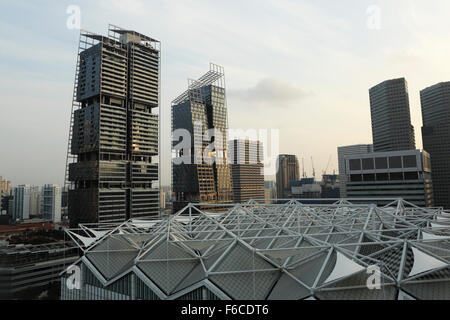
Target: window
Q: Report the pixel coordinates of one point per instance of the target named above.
(382, 177)
(369, 177)
(356, 178)
(381, 163)
(397, 176)
(367, 164)
(395, 162)
(355, 164)
(411, 175)
(410, 161)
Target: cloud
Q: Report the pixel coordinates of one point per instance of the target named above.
(271, 91)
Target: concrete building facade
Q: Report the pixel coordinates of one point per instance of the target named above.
(390, 175)
(435, 102)
(349, 151)
(35, 202)
(391, 117)
(22, 195)
(24, 267)
(247, 170)
(51, 203)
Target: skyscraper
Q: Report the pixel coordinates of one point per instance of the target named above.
(112, 162)
(51, 203)
(35, 201)
(22, 203)
(391, 118)
(200, 172)
(349, 151)
(247, 170)
(288, 171)
(435, 102)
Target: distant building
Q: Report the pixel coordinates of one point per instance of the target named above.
(349, 151)
(201, 175)
(391, 118)
(288, 171)
(51, 203)
(270, 190)
(247, 170)
(330, 186)
(162, 199)
(4, 204)
(22, 202)
(306, 188)
(399, 174)
(35, 202)
(436, 138)
(5, 186)
(24, 267)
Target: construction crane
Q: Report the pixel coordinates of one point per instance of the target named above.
(314, 170)
(303, 169)
(328, 165)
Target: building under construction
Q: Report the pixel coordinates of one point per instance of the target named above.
(112, 164)
(201, 173)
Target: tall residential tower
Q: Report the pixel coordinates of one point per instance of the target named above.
(113, 157)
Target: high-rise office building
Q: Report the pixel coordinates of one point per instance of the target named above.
(22, 202)
(247, 170)
(200, 171)
(113, 158)
(435, 102)
(349, 151)
(288, 171)
(391, 118)
(51, 203)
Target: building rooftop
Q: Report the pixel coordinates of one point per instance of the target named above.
(288, 251)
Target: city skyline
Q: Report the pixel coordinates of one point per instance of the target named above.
(297, 82)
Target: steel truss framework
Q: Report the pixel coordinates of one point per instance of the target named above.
(288, 251)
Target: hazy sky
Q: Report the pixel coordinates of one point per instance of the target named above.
(303, 67)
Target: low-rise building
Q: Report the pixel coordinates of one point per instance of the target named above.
(394, 174)
(24, 267)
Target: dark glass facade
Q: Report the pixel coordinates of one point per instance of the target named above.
(391, 118)
(435, 102)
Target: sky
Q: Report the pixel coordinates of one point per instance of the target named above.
(297, 66)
